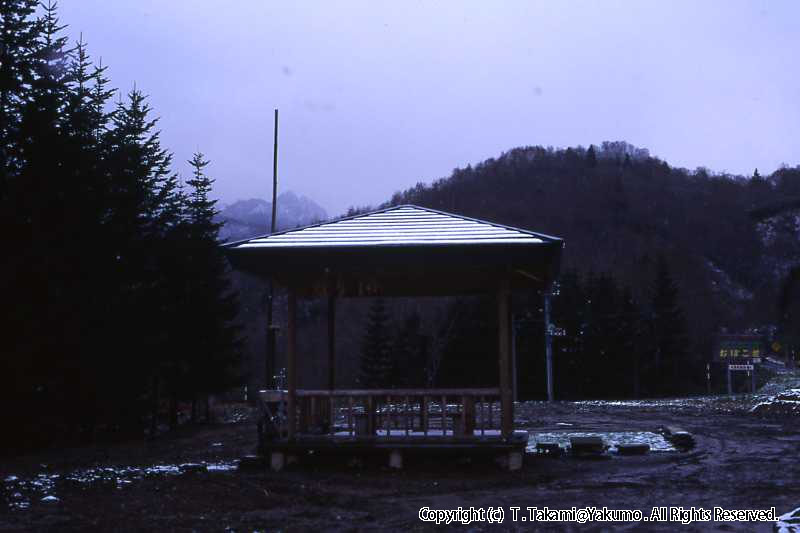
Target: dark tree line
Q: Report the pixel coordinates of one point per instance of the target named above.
(684, 255)
(393, 354)
(606, 343)
(115, 297)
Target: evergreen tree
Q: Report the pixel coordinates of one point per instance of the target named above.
(113, 267)
(469, 333)
(604, 358)
(569, 313)
(18, 39)
(627, 162)
(36, 188)
(212, 304)
(410, 350)
(591, 157)
(376, 358)
(630, 341)
(668, 325)
(139, 181)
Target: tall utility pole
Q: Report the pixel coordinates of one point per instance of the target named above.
(548, 344)
(274, 174)
(269, 359)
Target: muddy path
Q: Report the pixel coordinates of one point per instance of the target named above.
(188, 481)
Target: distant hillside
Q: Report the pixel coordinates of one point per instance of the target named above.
(618, 209)
(247, 218)
(728, 242)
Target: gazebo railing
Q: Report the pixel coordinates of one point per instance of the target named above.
(397, 413)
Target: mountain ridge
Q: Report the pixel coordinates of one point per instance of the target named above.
(250, 217)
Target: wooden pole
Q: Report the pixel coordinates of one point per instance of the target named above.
(274, 174)
(548, 346)
(269, 359)
(331, 341)
(730, 386)
(291, 361)
(504, 357)
(514, 357)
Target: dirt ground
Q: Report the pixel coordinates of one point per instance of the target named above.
(741, 461)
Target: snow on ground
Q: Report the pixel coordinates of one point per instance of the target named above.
(611, 438)
(21, 491)
(782, 404)
(789, 523)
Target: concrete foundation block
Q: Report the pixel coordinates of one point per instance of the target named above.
(277, 460)
(396, 459)
(514, 461)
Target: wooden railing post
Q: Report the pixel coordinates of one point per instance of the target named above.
(291, 363)
(468, 415)
(423, 411)
(504, 359)
(350, 428)
(371, 415)
(444, 416)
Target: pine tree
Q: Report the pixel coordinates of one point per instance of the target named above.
(630, 341)
(376, 361)
(570, 314)
(35, 211)
(18, 38)
(139, 178)
(591, 157)
(410, 348)
(22, 341)
(214, 345)
(668, 326)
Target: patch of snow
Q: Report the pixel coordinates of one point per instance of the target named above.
(613, 438)
(222, 467)
(21, 490)
(789, 522)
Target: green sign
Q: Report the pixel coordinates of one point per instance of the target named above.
(737, 350)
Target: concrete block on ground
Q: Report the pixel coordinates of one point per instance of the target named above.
(251, 463)
(679, 437)
(550, 449)
(277, 461)
(587, 446)
(514, 461)
(633, 449)
(396, 459)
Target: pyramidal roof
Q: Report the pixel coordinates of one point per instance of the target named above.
(402, 225)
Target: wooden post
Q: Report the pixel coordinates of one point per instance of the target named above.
(269, 355)
(469, 416)
(371, 428)
(514, 357)
(444, 415)
(730, 386)
(331, 341)
(291, 361)
(548, 346)
(326, 417)
(504, 357)
(423, 413)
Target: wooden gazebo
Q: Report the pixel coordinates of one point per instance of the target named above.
(400, 251)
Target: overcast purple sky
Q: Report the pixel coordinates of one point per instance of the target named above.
(375, 96)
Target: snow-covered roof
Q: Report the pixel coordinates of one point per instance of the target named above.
(397, 226)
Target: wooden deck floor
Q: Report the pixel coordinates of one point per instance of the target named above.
(491, 440)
